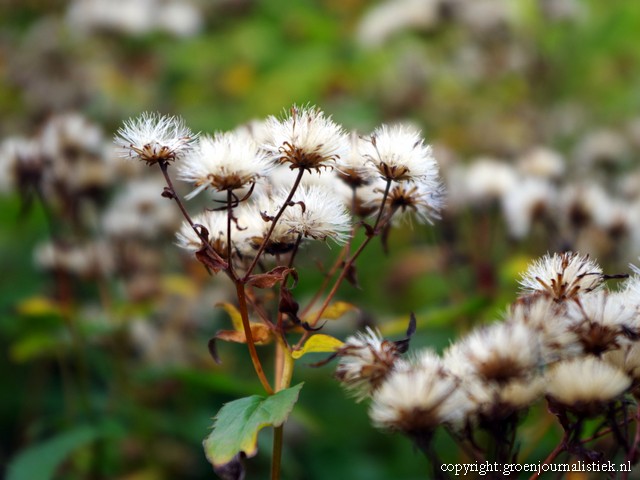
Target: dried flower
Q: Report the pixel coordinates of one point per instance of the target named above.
(306, 139)
(398, 153)
(226, 161)
(140, 211)
(216, 224)
(366, 359)
(498, 353)
(417, 398)
(548, 320)
(421, 200)
(585, 384)
(352, 168)
(563, 275)
(317, 213)
(603, 321)
(153, 138)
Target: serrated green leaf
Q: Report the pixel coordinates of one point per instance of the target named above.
(237, 424)
(40, 462)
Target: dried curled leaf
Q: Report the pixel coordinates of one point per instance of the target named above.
(272, 278)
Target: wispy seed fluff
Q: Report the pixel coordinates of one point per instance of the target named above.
(547, 319)
(563, 275)
(305, 139)
(216, 224)
(603, 321)
(399, 153)
(366, 359)
(226, 161)
(317, 213)
(416, 398)
(153, 137)
(585, 384)
(408, 200)
(498, 353)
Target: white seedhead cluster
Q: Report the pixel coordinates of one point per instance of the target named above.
(289, 179)
(567, 338)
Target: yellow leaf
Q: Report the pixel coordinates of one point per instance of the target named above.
(180, 285)
(318, 343)
(334, 311)
(37, 306)
(234, 313)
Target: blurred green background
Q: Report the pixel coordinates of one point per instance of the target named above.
(494, 80)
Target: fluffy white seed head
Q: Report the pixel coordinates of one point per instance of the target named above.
(226, 161)
(366, 359)
(563, 275)
(215, 223)
(585, 384)
(420, 200)
(603, 321)
(305, 139)
(548, 320)
(526, 201)
(399, 153)
(626, 358)
(140, 211)
(317, 213)
(417, 398)
(352, 167)
(153, 137)
(498, 353)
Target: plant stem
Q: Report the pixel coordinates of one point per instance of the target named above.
(276, 458)
(283, 382)
(552, 456)
(205, 241)
(265, 240)
(244, 314)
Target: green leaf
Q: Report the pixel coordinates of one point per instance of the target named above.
(237, 424)
(40, 462)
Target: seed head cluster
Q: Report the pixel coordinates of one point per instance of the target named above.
(284, 179)
(567, 338)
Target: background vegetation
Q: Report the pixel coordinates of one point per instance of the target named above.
(108, 408)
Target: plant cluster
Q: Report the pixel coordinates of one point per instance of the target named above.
(567, 339)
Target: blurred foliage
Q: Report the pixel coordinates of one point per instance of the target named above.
(252, 59)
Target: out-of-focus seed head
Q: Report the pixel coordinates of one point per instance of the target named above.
(548, 320)
(603, 321)
(586, 384)
(499, 353)
(365, 360)
(416, 398)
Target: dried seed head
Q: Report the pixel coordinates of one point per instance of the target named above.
(603, 321)
(563, 275)
(417, 398)
(226, 161)
(398, 153)
(586, 384)
(366, 359)
(305, 139)
(153, 138)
